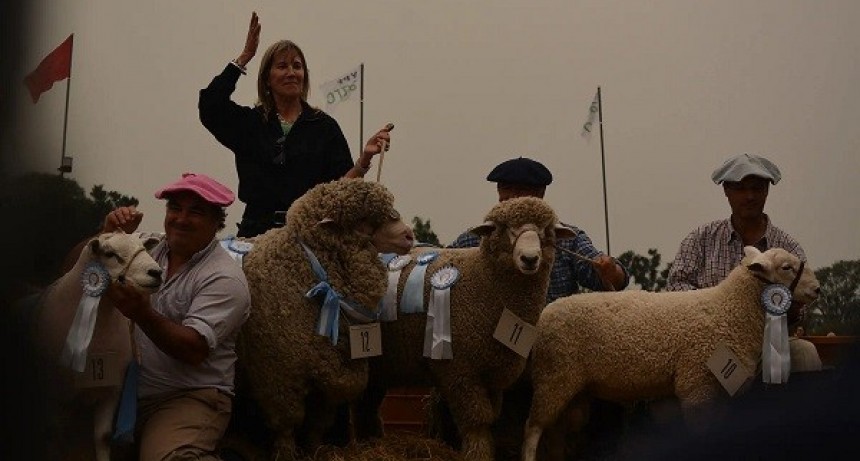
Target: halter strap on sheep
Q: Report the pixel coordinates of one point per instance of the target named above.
(333, 302)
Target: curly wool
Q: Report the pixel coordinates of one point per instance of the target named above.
(284, 358)
(632, 345)
(472, 382)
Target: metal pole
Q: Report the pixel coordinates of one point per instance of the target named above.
(66, 116)
(603, 163)
(361, 115)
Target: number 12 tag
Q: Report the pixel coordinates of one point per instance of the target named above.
(365, 340)
(516, 334)
(727, 368)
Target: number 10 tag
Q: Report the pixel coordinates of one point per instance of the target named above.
(365, 340)
(727, 368)
(516, 334)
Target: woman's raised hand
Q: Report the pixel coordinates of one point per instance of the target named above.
(252, 41)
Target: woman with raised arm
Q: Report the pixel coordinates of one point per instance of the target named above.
(282, 145)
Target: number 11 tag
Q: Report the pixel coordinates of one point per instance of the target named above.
(516, 334)
(727, 368)
(365, 340)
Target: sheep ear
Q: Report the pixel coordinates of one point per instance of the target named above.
(150, 243)
(758, 261)
(326, 222)
(95, 246)
(564, 232)
(484, 229)
(751, 252)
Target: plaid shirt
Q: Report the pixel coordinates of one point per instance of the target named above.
(710, 252)
(568, 272)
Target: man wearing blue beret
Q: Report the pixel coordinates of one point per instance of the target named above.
(524, 177)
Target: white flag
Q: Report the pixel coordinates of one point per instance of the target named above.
(589, 126)
(341, 88)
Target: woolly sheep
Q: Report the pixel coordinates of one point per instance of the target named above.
(345, 223)
(126, 260)
(605, 342)
(510, 270)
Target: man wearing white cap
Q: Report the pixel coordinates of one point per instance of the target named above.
(711, 251)
(186, 331)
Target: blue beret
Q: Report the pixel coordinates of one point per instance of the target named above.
(521, 171)
(737, 168)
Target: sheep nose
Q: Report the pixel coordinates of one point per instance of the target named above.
(529, 261)
(155, 273)
(817, 290)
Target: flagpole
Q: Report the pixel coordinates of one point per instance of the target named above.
(66, 115)
(361, 114)
(603, 163)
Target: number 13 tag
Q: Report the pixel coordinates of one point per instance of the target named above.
(365, 340)
(516, 334)
(727, 368)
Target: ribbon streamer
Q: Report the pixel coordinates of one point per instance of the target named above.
(412, 300)
(437, 331)
(775, 355)
(388, 309)
(329, 319)
(95, 280)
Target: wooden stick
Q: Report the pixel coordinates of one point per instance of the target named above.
(381, 159)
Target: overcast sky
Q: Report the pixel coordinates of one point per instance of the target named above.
(469, 84)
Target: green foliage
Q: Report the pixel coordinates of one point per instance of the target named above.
(423, 232)
(645, 270)
(838, 307)
(45, 216)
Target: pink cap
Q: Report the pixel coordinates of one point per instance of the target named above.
(207, 188)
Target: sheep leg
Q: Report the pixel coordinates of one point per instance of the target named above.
(472, 410)
(367, 420)
(103, 413)
(551, 395)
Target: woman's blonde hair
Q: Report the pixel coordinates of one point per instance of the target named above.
(265, 99)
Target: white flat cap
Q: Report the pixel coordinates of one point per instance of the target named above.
(738, 168)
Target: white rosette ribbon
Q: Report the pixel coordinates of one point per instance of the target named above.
(437, 332)
(775, 356)
(95, 280)
(412, 300)
(237, 249)
(388, 312)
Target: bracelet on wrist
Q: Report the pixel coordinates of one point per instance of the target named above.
(241, 68)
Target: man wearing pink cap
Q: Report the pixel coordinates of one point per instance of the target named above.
(186, 331)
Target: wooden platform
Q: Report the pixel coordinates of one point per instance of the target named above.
(405, 409)
(831, 349)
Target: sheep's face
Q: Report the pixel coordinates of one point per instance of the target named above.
(529, 244)
(126, 259)
(392, 236)
(779, 266)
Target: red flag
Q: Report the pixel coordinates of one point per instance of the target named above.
(55, 67)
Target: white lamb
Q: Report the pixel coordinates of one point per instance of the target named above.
(126, 260)
(633, 345)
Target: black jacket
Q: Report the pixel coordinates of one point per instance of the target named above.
(274, 170)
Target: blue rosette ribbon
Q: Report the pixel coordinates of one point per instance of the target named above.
(412, 300)
(388, 307)
(237, 249)
(775, 355)
(437, 332)
(95, 279)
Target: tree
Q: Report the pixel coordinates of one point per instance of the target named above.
(423, 232)
(645, 270)
(46, 216)
(838, 307)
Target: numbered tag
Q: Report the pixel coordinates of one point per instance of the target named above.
(724, 364)
(516, 334)
(365, 340)
(101, 370)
